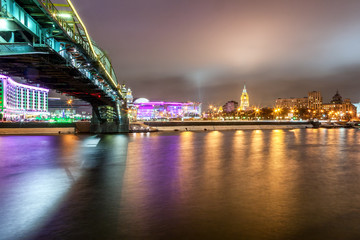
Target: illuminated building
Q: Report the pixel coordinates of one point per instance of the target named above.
(357, 105)
(146, 110)
(21, 101)
(314, 100)
(230, 106)
(128, 95)
(129, 98)
(291, 102)
(244, 100)
(340, 108)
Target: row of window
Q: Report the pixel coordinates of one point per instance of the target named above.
(26, 99)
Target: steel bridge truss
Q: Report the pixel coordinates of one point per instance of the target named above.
(48, 44)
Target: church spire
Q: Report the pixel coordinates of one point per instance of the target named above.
(244, 100)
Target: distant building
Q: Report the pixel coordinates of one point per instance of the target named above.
(314, 100)
(128, 95)
(291, 102)
(244, 100)
(19, 101)
(340, 108)
(337, 99)
(357, 105)
(129, 98)
(146, 110)
(230, 106)
(141, 100)
(70, 108)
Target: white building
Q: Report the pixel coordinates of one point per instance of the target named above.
(21, 101)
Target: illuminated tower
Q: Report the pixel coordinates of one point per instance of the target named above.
(244, 100)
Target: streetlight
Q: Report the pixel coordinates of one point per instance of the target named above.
(256, 112)
(64, 15)
(277, 111)
(69, 102)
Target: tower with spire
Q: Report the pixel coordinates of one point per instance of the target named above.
(244, 100)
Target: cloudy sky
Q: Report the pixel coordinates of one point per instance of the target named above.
(205, 50)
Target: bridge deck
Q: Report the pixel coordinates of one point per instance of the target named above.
(49, 69)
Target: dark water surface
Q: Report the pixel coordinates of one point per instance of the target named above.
(252, 184)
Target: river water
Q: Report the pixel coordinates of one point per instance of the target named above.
(251, 184)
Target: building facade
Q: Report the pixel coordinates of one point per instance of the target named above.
(244, 100)
(357, 105)
(314, 100)
(337, 108)
(129, 98)
(146, 110)
(291, 102)
(19, 101)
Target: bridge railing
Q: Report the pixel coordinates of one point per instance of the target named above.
(84, 41)
(55, 14)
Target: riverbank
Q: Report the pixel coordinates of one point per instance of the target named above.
(226, 125)
(18, 128)
(24, 128)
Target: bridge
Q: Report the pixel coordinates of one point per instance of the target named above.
(48, 44)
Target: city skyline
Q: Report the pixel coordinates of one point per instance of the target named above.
(205, 50)
(305, 96)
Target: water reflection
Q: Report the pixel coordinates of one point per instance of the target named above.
(213, 150)
(28, 176)
(187, 160)
(261, 184)
(45, 191)
(249, 184)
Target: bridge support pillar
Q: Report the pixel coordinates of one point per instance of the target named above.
(107, 119)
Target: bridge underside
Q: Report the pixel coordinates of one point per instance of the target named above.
(46, 67)
(50, 70)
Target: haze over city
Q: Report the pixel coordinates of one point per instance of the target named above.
(206, 50)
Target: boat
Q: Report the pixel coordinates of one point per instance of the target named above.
(141, 127)
(354, 124)
(330, 125)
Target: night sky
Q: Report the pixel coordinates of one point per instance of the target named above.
(205, 50)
